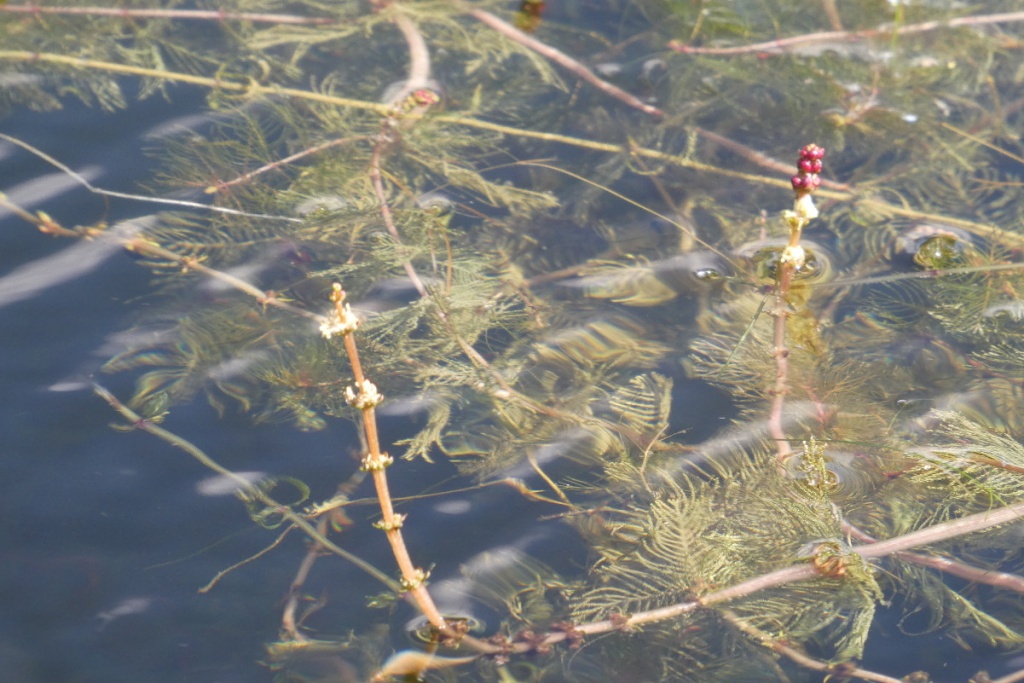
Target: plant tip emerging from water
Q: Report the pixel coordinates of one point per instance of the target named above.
(342, 320)
(805, 182)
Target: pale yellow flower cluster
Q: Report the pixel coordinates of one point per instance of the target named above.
(339, 322)
(366, 397)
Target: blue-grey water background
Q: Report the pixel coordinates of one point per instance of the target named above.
(106, 536)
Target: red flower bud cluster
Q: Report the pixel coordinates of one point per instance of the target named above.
(808, 166)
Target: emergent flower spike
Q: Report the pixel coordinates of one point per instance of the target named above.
(341, 320)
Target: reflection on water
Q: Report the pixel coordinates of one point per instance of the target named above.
(31, 194)
(25, 282)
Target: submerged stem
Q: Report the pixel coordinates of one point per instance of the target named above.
(563, 60)
(784, 44)
(130, 14)
(840, 671)
(244, 484)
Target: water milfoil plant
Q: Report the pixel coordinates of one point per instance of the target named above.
(550, 249)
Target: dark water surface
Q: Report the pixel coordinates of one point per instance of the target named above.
(89, 512)
(107, 536)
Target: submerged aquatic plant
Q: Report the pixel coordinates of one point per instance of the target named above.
(549, 322)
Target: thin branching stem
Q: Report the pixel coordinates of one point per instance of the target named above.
(286, 513)
(385, 209)
(249, 88)
(781, 353)
(827, 37)
(146, 247)
(252, 89)
(280, 163)
(314, 550)
(946, 565)
(212, 583)
(180, 203)
(563, 60)
(129, 14)
(841, 671)
(289, 625)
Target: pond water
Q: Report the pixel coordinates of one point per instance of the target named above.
(109, 536)
(587, 386)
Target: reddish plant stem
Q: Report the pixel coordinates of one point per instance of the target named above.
(781, 353)
(832, 12)
(841, 671)
(418, 77)
(419, 55)
(413, 579)
(282, 162)
(784, 44)
(385, 210)
(563, 60)
(944, 531)
(804, 572)
(289, 624)
(1005, 580)
(133, 14)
